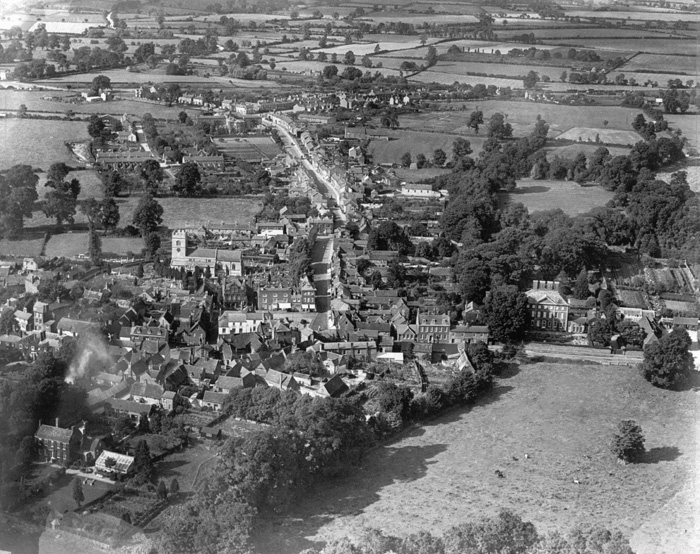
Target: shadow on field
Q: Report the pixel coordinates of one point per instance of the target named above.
(509, 370)
(527, 190)
(661, 454)
(346, 496)
(494, 395)
(167, 468)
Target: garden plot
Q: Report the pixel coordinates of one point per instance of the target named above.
(607, 136)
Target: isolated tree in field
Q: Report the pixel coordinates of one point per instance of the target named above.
(498, 128)
(174, 487)
(148, 215)
(476, 118)
(667, 363)
(461, 148)
(530, 80)
(188, 180)
(406, 159)
(152, 175)
(421, 160)
(349, 58)
(439, 157)
(628, 443)
(507, 314)
(78, 495)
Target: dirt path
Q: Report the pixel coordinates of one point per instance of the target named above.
(562, 417)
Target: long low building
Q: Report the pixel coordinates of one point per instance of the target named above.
(123, 160)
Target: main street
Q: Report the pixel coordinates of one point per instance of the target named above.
(325, 187)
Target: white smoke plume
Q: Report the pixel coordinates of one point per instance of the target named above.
(91, 357)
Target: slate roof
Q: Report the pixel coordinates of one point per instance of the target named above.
(49, 432)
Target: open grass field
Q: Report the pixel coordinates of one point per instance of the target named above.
(122, 76)
(523, 116)
(689, 124)
(634, 15)
(658, 44)
(21, 248)
(450, 78)
(420, 175)
(511, 70)
(568, 196)
(570, 151)
(35, 102)
(38, 143)
(415, 143)
(663, 63)
(67, 245)
(607, 136)
(442, 473)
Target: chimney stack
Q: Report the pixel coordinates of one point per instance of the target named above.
(56, 422)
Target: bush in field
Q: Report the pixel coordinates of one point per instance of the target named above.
(628, 442)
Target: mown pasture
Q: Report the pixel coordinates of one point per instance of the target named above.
(568, 196)
(563, 416)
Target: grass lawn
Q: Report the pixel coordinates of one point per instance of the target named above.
(184, 465)
(574, 199)
(563, 416)
(61, 495)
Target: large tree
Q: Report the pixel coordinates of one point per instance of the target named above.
(18, 193)
(102, 214)
(498, 128)
(507, 314)
(152, 175)
(668, 363)
(148, 215)
(188, 180)
(59, 205)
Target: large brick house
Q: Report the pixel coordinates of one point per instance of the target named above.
(549, 310)
(433, 327)
(57, 445)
